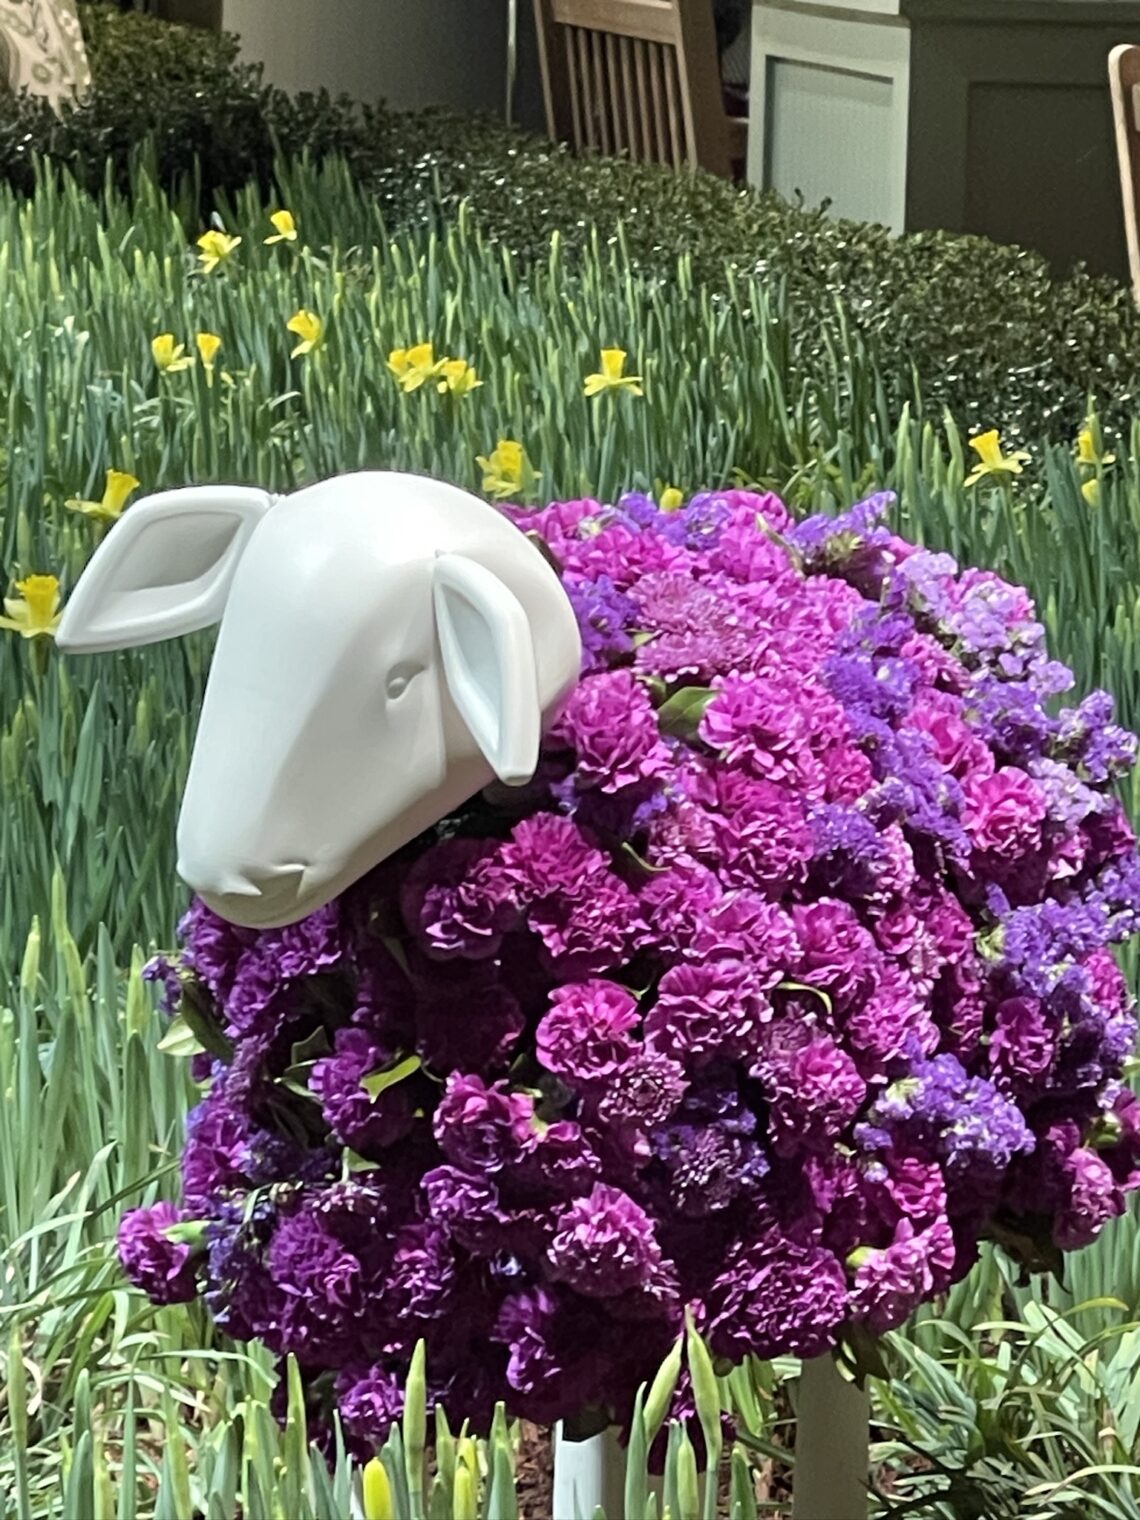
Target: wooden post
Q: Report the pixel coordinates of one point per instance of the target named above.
(833, 1441)
(1124, 82)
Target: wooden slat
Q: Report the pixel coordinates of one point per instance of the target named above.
(678, 147)
(553, 57)
(644, 106)
(1124, 82)
(618, 95)
(573, 88)
(655, 20)
(585, 88)
(633, 121)
(656, 85)
(601, 93)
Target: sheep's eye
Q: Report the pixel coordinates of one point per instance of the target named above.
(400, 677)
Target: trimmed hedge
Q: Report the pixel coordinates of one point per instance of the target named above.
(963, 323)
(985, 328)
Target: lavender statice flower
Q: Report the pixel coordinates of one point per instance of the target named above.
(939, 1111)
(605, 619)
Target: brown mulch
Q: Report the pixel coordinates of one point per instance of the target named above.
(535, 1473)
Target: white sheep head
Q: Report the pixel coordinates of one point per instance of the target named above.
(388, 646)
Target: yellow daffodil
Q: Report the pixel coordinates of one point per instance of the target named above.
(208, 345)
(987, 446)
(610, 376)
(459, 378)
(672, 500)
(1091, 492)
(170, 356)
(415, 366)
(507, 471)
(309, 329)
(216, 248)
(1087, 451)
(119, 489)
(34, 613)
(284, 228)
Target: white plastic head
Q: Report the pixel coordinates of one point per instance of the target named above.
(388, 646)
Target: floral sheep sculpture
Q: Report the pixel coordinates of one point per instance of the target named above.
(786, 982)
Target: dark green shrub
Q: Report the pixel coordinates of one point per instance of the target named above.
(986, 328)
(177, 94)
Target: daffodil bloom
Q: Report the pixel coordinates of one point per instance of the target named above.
(377, 1492)
(208, 345)
(414, 367)
(34, 613)
(987, 446)
(1088, 454)
(216, 248)
(170, 356)
(611, 378)
(309, 328)
(672, 500)
(117, 493)
(459, 378)
(285, 228)
(1091, 491)
(506, 471)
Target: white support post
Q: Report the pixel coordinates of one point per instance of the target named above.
(588, 1475)
(833, 1439)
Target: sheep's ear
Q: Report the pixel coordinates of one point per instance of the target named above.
(164, 569)
(488, 661)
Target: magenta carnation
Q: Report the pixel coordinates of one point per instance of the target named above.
(586, 1037)
(787, 980)
(162, 1266)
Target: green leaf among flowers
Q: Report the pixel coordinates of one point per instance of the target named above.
(378, 1082)
(680, 716)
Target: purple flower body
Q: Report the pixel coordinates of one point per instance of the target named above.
(787, 979)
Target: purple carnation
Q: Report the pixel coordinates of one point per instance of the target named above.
(759, 722)
(1004, 814)
(707, 1010)
(586, 1035)
(775, 1296)
(815, 1093)
(450, 902)
(320, 1283)
(482, 1128)
(890, 1284)
(837, 955)
(371, 1401)
(604, 1245)
(358, 1119)
(612, 727)
(164, 1268)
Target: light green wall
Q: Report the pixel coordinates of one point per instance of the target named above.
(408, 52)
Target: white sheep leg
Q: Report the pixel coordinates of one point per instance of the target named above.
(833, 1440)
(588, 1475)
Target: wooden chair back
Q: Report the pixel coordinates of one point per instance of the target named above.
(1124, 82)
(635, 77)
